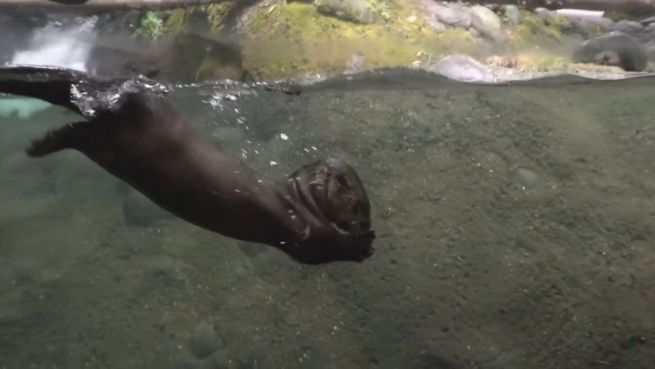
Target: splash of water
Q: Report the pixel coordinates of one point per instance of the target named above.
(59, 46)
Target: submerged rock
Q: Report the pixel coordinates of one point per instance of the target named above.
(615, 49)
(528, 178)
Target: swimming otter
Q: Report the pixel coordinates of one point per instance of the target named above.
(320, 213)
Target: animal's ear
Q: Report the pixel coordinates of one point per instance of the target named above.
(66, 137)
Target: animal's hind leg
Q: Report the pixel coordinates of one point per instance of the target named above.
(69, 136)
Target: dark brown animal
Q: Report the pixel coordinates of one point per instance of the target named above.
(318, 214)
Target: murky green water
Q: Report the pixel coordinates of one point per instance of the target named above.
(515, 230)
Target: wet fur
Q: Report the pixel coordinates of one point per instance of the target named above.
(320, 213)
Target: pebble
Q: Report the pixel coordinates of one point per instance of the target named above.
(528, 178)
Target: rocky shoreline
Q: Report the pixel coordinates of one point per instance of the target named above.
(341, 36)
(277, 39)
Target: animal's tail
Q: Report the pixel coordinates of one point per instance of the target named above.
(54, 85)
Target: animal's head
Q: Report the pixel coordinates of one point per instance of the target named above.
(339, 214)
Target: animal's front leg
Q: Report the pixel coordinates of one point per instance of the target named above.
(70, 136)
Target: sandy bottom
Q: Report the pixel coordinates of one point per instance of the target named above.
(516, 230)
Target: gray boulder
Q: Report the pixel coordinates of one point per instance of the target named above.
(486, 22)
(356, 11)
(463, 68)
(615, 49)
(543, 13)
(512, 15)
(629, 27)
(647, 34)
(485, 18)
(453, 15)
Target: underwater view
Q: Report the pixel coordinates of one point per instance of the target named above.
(513, 206)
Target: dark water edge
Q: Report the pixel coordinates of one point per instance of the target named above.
(419, 78)
(515, 224)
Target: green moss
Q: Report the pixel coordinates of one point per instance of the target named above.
(297, 20)
(534, 31)
(558, 21)
(151, 27)
(295, 39)
(216, 14)
(211, 68)
(209, 18)
(176, 21)
(552, 63)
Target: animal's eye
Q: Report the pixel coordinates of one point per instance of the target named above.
(342, 181)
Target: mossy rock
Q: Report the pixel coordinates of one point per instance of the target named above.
(357, 11)
(206, 18)
(295, 39)
(151, 28)
(533, 30)
(213, 68)
(177, 20)
(217, 13)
